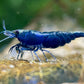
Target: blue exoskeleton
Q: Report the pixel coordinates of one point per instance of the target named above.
(33, 41)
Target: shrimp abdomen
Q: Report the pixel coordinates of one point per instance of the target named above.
(60, 38)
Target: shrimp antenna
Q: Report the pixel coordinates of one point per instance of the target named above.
(4, 25)
(4, 39)
(3, 32)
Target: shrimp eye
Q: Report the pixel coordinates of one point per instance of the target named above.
(17, 32)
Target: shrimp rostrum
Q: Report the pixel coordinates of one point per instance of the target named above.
(33, 41)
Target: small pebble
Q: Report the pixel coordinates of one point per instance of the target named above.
(11, 66)
(4, 71)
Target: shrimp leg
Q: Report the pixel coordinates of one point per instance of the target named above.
(32, 55)
(36, 54)
(44, 55)
(49, 53)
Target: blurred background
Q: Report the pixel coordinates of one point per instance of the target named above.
(45, 15)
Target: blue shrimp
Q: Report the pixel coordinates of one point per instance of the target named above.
(33, 41)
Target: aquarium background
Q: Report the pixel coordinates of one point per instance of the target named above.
(44, 16)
